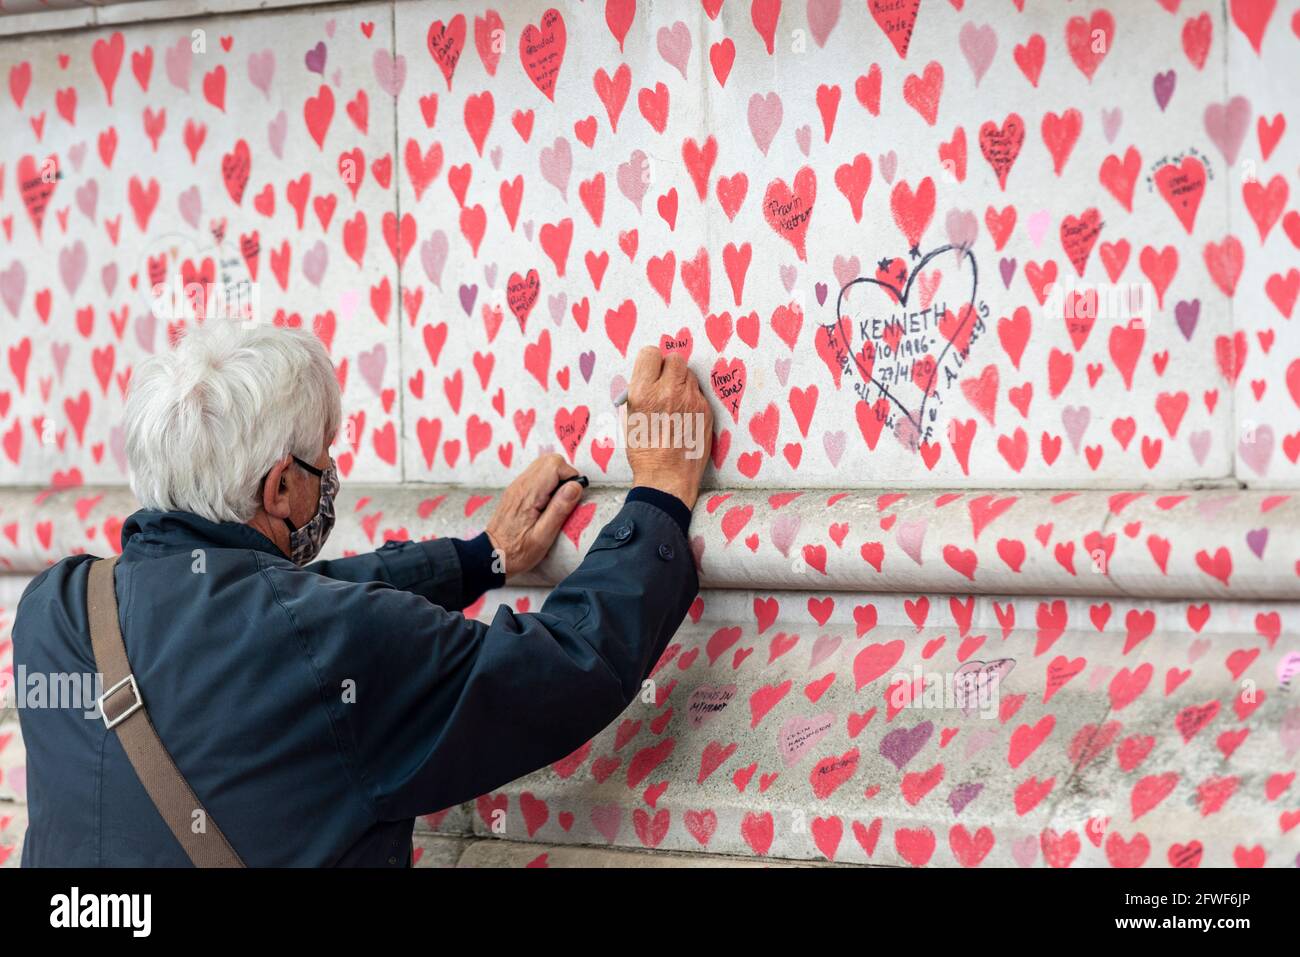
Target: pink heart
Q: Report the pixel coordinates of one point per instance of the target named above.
(823, 648)
(178, 60)
(797, 735)
(632, 181)
(607, 818)
(261, 70)
(1038, 223)
(846, 269)
(276, 131)
(784, 529)
(910, 537)
(72, 265)
(314, 263)
(390, 71)
(372, 365)
(1227, 123)
(822, 17)
(433, 256)
(674, 45)
(765, 114)
(978, 44)
(888, 162)
(834, 444)
(1025, 851)
(191, 204)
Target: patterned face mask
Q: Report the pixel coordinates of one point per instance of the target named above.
(306, 541)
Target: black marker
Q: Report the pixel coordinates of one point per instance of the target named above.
(580, 479)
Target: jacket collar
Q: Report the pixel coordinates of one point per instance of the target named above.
(151, 533)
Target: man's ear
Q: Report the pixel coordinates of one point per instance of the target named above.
(275, 497)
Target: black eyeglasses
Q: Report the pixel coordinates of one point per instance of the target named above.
(319, 473)
(309, 467)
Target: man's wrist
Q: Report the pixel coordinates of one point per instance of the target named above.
(667, 502)
(683, 492)
(480, 564)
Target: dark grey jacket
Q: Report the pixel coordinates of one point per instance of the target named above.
(317, 711)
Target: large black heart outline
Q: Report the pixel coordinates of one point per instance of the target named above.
(902, 295)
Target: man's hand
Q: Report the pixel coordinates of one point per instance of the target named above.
(528, 518)
(669, 425)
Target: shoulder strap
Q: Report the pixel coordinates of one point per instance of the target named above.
(123, 711)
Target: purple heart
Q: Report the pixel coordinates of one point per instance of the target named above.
(903, 744)
(467, 296)
(1008, 268)
(1187, 314)
(315, 58)
(1257, 538)
(586, 365)
(962, 795)
(1164, 87)
(820, 289)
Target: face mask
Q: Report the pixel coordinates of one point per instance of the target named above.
(305, 542)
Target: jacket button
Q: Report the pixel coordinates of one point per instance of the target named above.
(623, 532)
(666, 552)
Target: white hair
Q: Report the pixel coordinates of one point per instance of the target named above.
(207, 420)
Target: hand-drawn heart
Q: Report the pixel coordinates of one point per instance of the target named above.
(542, 51)
(976, 683)
(36, 184)
(919, 353)
(445, 41)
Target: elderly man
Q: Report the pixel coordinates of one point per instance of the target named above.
(275, 710)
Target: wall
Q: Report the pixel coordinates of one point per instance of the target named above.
(483, 210)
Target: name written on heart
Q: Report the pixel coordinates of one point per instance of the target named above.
(191, 278)
(909, 351)
(1182, 180)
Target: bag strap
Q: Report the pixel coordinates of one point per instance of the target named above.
(123, 711)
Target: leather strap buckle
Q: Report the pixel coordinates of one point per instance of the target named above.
(129, 680)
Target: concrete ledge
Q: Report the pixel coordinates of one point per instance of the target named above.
(501, 853)
(1197, 544)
